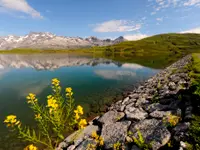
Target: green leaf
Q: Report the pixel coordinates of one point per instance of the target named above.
(61, 136)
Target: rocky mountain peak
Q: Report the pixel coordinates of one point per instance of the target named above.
(47, 40)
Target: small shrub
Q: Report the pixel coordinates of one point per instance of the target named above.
(140, 142)
(195, 129)
(171, 120)
(117, 146)
(57, 117)
(98, 139)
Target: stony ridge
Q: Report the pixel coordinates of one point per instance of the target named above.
(46, 40)
(144, 109)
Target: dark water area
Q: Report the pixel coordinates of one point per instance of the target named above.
(94, 81)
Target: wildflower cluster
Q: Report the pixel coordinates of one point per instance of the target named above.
(31, 98)
(98, 142)
(171, 120)
(81, 122)
(117, 146)
(55, 82)
(58, 117)
(11, 121)
(97, 138)
(31, 147)
(52, 104)
(69, 91)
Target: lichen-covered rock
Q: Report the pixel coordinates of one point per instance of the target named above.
(152, 130)
(86, 144)
(133, 113)
(78, 136)
(113, 133)
(159, 114)
(72, 147)
(156, 106)
(111, 117)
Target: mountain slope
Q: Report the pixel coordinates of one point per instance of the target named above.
(163, 43)
(46, 40)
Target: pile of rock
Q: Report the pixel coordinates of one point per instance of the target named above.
(144, 110)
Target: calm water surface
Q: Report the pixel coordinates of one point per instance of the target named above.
(92, 79)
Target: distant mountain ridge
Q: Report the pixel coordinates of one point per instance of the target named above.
(47, 40)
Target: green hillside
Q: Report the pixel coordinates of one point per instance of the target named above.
(163, 43)
(156, 51)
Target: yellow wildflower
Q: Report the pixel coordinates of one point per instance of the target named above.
(69, 90)
(38, 116)
(31, 98)
(82, 123)
(52, 104)
(55, 82)
(101, 141)
(94, 135)
(77, 116)
(31, 147)
(80, 109)
(11, 120)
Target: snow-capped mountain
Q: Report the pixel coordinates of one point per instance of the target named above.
(46, 40)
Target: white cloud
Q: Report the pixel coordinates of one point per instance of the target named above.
(20, 6)
(162, 4)
(195, 30)
(159, 19)
(153, 13)
(117, 26)
(192, 3)
(134, 37)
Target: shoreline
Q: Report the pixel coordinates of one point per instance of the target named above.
(143, 109)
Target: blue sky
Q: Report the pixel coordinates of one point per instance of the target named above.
(101, 18)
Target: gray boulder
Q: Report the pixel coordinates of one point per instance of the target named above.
(133, 113)
(113, 133)
(111, 117)
(152, 130)
(159, 114)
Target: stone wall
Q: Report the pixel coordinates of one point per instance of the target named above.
(143, 111)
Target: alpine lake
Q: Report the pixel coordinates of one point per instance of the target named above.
(96, 83)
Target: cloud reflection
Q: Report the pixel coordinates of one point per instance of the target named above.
(114, 74)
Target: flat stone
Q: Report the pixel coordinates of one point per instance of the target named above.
(72, 147)
(182, 127)
(134, 96)
(85, 144)
(111, 117)
(125, 100)
(78, 136)
(172, 86)
(152, 130)
(159, 114)
(156, 106)
(62, 146)
(133, 113)
(141, 101)
(113, 133)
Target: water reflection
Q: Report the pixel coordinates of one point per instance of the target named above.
(49, 61)
(94, 80)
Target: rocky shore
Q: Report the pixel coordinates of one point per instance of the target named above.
(145, 111)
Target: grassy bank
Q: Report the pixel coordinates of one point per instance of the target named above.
(195, 89)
